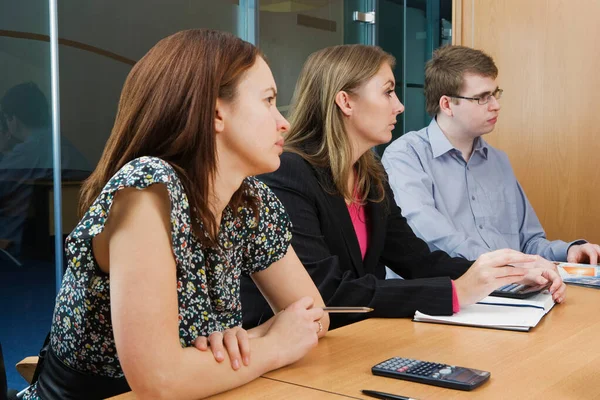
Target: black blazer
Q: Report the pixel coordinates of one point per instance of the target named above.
(326, 243)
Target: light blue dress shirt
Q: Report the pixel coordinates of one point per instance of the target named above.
(464, 208)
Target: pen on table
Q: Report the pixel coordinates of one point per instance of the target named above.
(385, 396)
(347, 309)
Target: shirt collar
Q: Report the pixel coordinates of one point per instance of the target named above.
(440, 144)
(481, 147)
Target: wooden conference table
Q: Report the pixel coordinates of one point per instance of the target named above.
(558, 359)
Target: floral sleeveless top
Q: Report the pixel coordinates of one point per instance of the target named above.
(208, 279)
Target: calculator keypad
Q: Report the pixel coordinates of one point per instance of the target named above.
(512, 288)
(415, 367)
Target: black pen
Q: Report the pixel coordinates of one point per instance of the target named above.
(385, 396)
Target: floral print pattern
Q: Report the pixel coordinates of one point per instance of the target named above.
(208, 279)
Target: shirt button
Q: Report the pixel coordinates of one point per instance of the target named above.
(472, 197)
(480, 226)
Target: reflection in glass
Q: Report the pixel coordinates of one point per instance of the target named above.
(411, 30)
(27, 283)
(26, 161)
(290, 31)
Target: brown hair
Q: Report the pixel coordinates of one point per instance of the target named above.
(317, 131)
(167, 110)
(444, 73)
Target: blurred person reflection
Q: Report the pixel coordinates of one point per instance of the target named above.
(26, 158)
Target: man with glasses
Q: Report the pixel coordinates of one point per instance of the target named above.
(457, 192)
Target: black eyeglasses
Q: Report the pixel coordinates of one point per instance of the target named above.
(497, 94)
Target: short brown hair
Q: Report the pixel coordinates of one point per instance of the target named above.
(167, 110)
(444, 73)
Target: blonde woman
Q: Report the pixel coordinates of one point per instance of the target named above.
(346, 225)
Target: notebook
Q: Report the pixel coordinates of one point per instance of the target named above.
(580, 274)
(498, 313)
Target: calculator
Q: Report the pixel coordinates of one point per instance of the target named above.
(430, 373)
(517, 291)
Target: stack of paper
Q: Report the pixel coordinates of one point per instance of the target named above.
(580, 274)
(498, 313)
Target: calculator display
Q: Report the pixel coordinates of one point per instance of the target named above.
(465, 375)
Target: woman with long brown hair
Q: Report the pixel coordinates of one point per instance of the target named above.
(346, 225)
(170, 223)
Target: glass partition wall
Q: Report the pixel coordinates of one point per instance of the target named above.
(27, 265)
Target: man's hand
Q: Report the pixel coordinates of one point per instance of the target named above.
(586, 253)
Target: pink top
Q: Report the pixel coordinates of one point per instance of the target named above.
(359, 221)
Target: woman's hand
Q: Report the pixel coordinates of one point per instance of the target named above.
(543, 273)
(235, 341)
(489, 272)
(540, 262)
(295, 330)
(261, 330)
(544, 277)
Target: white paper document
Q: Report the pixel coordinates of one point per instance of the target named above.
(498, 313)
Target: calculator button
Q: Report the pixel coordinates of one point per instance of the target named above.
(518, 289)
(445, 371)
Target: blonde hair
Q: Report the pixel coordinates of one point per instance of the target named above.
(317, 131)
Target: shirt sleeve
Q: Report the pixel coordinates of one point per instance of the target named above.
(413, 190)
(269, 237)
(532, 236)
(141, 173)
